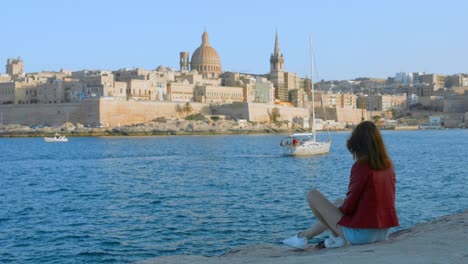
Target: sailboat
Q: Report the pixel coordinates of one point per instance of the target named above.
(306, 144)
(57, 138)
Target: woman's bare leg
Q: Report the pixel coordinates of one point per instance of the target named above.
(326, 212)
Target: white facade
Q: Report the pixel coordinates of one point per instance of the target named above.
(413, 99)
(404, 77)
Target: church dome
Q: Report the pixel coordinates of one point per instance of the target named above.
(205, 59)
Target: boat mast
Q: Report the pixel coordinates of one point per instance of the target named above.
(312, 82)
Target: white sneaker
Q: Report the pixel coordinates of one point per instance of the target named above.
(296, 242)
(334, 242)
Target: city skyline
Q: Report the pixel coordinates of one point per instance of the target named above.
(351, 40)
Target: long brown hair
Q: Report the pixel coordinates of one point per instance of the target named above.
(366, 144)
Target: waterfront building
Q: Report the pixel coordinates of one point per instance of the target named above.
(430, 83)
(257, 88)
(348, 101)
(457, 80)
(97, 83)
(7, 92)
(456, 104)
(293, 81)
(386, 102)
(327, 99)
(180, 91)
(340, 100)
(264, 91)
(298, 97)
(219, 94)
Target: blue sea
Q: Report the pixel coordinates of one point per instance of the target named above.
(124, 199)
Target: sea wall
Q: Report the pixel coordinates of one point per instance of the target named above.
(111, 112)
(120, 112)
(260, 112)
(85, 112)
(349, 115)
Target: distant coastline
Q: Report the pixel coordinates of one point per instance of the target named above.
(177, 127)
(168, 127)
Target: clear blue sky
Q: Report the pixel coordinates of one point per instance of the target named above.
(351, 38)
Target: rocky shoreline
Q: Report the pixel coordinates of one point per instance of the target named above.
(153, 128)
(442, 240)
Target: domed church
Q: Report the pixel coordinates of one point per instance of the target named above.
(205, 60)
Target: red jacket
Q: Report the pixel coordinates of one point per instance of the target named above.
(370, 201)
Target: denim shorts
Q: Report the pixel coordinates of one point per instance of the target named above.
(359, 236)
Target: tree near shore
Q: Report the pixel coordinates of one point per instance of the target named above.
(275, 114)
(179, 110)
(187, 108)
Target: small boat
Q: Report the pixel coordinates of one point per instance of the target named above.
(306, 144)
(57, 138)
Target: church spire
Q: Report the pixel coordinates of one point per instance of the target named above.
(277, 49)
(277, 72)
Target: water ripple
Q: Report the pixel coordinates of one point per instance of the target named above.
(97, 200)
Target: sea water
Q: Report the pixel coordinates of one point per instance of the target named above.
(126, 199)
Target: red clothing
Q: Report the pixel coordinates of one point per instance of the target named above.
(370, 201)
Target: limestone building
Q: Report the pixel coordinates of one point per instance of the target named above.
(277, 72)
(430, 83)
(216, 94)
(205, 59)
(14, 67)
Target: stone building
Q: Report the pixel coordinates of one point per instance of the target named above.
(96, 83)
(457, 80)
(430, 83)
(340, 100)
(277, 72)
(456, 104)
(298, 97)
(264, 91)
(219, 94)
(180, 91)
(205, 59)
(386, 102)
(257, 88)
(15, 68)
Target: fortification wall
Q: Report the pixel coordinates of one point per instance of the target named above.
(259, 112)
(85, 112)
(235, 110)
(111, 112)
(350, 115)
(262, 112)
(120, 112)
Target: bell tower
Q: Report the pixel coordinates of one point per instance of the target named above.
(184, 61)
(277, 72)
(14, 67)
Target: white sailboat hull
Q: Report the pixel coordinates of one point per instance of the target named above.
(307, 148)
(56, 139)
(305, 144)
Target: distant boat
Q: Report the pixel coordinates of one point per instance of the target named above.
(57, 138)
(306, 144)
(434, 123)
(430, 126)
